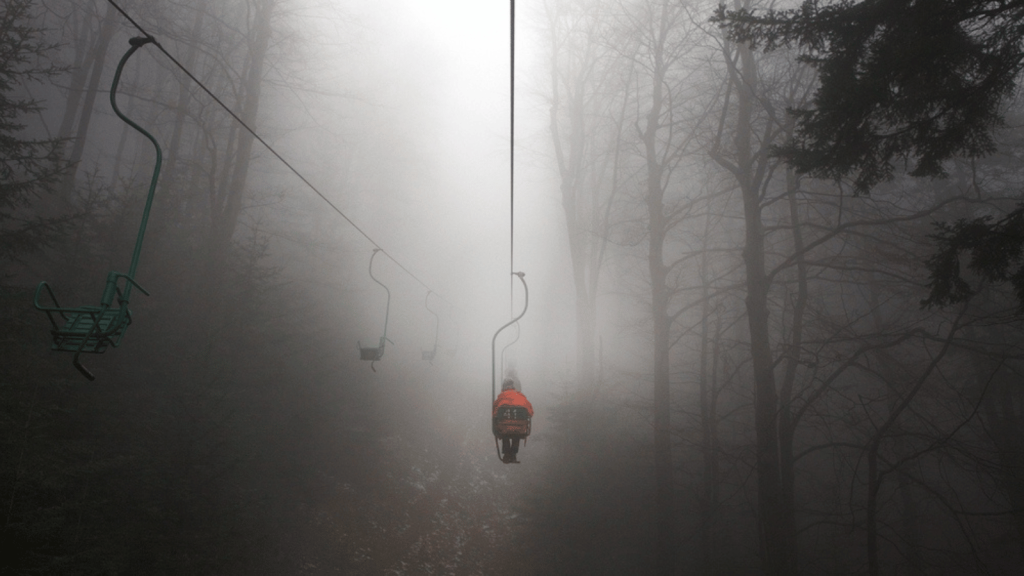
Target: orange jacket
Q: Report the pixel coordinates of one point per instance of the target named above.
(512, 398)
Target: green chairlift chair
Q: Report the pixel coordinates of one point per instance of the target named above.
(91, 329)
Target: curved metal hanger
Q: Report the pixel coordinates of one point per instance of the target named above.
(526, 304)
(509, 345)
(428, 355)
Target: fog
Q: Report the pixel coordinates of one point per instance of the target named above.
(729, 364)
(425, 174)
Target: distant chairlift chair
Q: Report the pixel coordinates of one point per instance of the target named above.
(376, 353)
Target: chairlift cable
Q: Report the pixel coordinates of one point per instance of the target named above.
(512, 151)
(267, 145)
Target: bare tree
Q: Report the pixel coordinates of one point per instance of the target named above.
(667, 123)
(588, 103)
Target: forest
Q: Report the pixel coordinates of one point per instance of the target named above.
(772, 254)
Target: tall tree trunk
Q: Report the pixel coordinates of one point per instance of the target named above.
(1004, 420)
(875, 477)
(911, 525)
(570, 147)
(99, 55)
(709, 499)
(909, 519)
(657, 226)
(787, 424)
(225, 219)
(181, 104)
(662, 413)
(777, 556)
(78, 76)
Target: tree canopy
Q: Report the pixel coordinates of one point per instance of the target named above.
(911, 83)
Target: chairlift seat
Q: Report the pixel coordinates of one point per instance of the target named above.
(511, 422)
(90, 329)
(372, 354)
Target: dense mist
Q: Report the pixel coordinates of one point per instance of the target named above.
(736, 366)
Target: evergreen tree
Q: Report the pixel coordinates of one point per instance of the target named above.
(29, 167)
(905, 82)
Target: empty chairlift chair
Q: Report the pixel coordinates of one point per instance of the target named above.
(92, 329)
(376, 353)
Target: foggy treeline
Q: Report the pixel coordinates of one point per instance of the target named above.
(808, 414)
(753, 385)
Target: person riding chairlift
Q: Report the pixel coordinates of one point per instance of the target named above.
(512, 398)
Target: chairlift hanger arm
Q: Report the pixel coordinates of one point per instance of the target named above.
(426, 304)
(429, 354)
(509, 345)
(387, 308)
(494, 340)
(137, 43)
